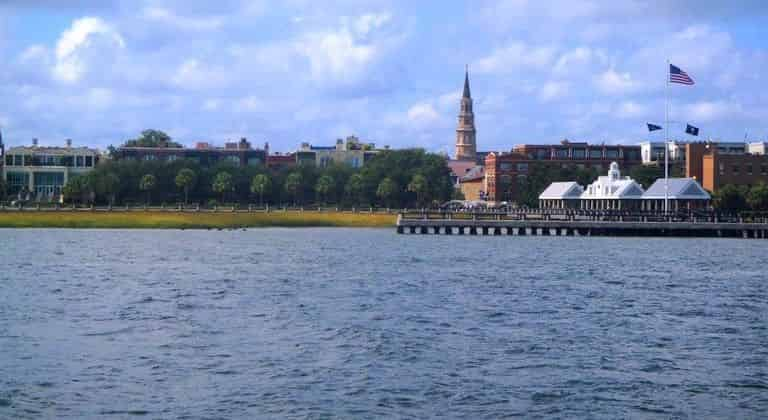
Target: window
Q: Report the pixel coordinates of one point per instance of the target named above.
(9, 160)
(79, 161)
(505, 166)
(749, 169)
(611, 154)
(172, 158)
(542, 154)
(579, 153)
(88, 161)
(721, 169)
(146, 158)
(735, 169)
(522, 167)
(17, 180)
(561, 153)
(764, 170)
(595, 154)
(18, 160)
(254, 161)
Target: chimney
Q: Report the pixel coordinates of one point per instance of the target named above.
(34, 142)
(69, 143)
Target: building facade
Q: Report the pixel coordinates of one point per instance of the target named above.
(39, 173)
(350, 152)
(466, 145)
(236, 153)
(505, 171)
(614, 192)
(715, 165)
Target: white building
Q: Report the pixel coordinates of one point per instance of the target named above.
(561, 195)
(612, 192)
(651, 152)
(684, 194)
(758, 148)
(40, 173)
(350, 152)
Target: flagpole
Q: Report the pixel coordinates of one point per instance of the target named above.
(666, 144)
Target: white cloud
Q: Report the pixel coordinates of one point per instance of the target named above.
(706, 111)
(515, 56)
(88, 38)
(553, 90)
(249, 104)
(611, 82)
(368, 22)
(167, 17)
(630, 109)
(346, 53)
(192, 74)
(423, 113)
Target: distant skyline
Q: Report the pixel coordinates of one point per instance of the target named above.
(390, 72)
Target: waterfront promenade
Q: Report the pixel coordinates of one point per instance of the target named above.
(558, 222)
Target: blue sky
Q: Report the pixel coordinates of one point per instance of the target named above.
(388, 71)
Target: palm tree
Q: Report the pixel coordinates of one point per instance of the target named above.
(222, 184)
(386, 190)
(418, 185)
(185, 180)
(147, 184)
(323, 187)
(354, 188)
(293, 185)
(260, 185)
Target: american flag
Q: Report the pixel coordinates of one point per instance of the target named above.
(678, 76)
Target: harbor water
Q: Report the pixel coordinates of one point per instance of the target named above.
(365, 323)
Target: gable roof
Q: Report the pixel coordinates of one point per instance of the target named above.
(679, 189)
(478, 172)
(562, 190)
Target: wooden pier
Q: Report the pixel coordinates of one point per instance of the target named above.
(581, 223)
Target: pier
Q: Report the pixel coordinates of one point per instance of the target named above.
(582, 223)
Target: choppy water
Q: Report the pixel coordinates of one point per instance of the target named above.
(337, 323)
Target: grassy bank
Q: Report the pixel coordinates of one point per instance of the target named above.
(174, 220)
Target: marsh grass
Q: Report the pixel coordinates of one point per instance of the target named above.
(178, 220)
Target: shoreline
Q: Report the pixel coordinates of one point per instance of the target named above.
(190, 220)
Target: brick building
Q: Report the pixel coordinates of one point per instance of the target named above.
(236, 153)
(714, 168)
(503, 171)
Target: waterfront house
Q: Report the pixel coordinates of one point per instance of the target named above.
(40, 173)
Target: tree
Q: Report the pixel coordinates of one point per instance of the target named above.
(646, 175)
(324, 187)
(108, 185)
(147, 184)
(74, 189)
(386, 190)
(730, 198)
(152, 138)
(260, 185)
(185, 180)
(354, 188)
(418, 185)
(293, 185)
(222, 184)
(757, 198)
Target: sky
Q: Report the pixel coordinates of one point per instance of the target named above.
(388, 71)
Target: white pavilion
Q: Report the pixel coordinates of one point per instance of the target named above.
(614, 192)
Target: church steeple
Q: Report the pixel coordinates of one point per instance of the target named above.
(466, 149)
(466, 94)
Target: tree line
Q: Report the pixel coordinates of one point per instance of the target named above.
(393, 178)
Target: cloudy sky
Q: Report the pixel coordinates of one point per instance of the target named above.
(388, 71)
